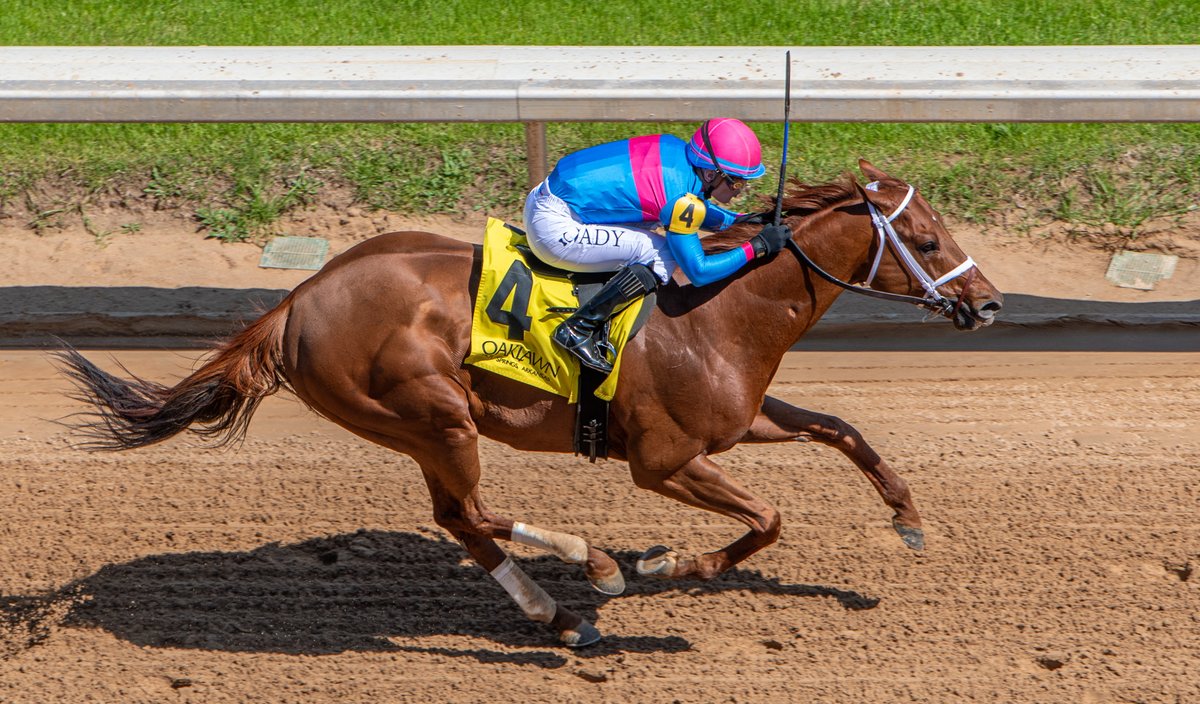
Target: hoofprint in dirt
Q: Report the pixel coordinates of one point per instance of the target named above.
(1059, 492)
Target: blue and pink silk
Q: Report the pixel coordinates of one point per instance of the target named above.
(640, 180)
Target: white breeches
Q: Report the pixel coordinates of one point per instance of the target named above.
(558, 237)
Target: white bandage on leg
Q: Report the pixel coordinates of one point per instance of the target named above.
(568, 548)
(532, 599)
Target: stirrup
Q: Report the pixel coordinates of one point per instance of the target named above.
(584, 346)
(600, 363)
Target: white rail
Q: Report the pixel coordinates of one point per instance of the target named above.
(542, 84)
(524, 84)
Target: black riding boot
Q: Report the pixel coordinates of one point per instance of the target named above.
(578, 333)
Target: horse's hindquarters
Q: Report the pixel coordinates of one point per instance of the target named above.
(376, 343)
(381, 329)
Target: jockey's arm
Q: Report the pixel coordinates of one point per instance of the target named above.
(717, 218)
(684, 218)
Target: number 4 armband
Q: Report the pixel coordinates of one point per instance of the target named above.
(686, 215)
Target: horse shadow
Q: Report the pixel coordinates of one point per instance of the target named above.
(363, 591)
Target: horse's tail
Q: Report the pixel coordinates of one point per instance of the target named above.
(219, 398)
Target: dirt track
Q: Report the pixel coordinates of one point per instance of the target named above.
(1059, 491)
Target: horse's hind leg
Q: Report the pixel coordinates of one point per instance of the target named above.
(451, 472)
(534, 602)
(779, 422)
(602, 571)
(457, 470)
(444, 443)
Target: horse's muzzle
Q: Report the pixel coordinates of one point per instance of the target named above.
(975, 314)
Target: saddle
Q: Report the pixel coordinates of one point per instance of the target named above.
(591, 413)
(521, 299)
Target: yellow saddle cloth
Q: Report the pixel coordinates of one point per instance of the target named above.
(512, 322)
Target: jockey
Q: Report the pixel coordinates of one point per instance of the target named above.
(599, 209)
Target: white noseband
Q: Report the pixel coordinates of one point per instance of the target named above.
(887, 233)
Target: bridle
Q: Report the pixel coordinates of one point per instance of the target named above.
(933, 300)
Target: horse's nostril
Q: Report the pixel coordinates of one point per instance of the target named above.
(991, 306)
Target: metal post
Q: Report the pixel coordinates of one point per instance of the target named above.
(535, 152)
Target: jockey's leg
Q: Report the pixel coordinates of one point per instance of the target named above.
(558, 237)
(578, 333)
(778, 421)
(640, 258)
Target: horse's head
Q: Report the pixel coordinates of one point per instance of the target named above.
(915, 256)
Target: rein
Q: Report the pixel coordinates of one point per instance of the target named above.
(882, 295)
(933, 300)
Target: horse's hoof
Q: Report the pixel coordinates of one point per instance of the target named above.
(611, 585)
(658, 561)
(912, 537)
(579, 636)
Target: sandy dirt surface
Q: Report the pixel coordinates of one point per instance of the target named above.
(1059, 491)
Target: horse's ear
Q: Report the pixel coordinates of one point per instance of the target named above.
(862, 192)
(869, 170)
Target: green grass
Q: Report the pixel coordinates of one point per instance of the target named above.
(238, 179)
(585, 22)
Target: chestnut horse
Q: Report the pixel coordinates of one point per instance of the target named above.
(375, 342)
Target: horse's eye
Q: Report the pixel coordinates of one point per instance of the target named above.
(928, 247)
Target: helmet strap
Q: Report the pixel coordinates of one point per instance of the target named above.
(712, 154)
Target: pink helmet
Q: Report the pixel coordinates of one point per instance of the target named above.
(738, 151)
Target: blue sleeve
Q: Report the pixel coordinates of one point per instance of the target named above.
(701, 268)
(717, 218)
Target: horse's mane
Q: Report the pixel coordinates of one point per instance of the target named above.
(798, 199)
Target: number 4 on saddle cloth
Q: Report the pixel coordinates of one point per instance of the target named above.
(520, 301)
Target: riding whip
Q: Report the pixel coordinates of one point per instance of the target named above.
(787, 108)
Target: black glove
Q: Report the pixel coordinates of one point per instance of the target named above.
(770, 240)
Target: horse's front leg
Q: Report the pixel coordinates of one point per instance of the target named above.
(703, 484)
(779, 422)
